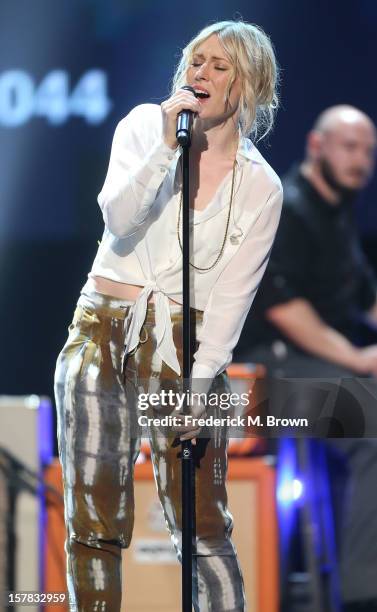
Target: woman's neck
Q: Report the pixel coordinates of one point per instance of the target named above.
(215, 140)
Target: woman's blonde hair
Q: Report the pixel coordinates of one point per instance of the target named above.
(252, 56)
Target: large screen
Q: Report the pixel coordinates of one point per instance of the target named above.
(69, 71)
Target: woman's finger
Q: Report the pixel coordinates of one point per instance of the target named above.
(191, 434)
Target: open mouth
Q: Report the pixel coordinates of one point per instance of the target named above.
(201, 94)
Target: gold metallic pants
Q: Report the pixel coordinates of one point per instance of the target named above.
(96, 394)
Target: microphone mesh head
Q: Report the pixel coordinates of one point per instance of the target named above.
(189, 88)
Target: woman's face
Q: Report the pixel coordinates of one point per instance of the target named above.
(210, 71)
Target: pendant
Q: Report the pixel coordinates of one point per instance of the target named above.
(235, 238)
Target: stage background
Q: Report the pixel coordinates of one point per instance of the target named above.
(69, 71)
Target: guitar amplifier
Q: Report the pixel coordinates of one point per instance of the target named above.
(151, 573)
(151, 559)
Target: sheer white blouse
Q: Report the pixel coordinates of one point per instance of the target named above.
(140, 202)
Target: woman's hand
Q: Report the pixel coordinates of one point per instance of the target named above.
(182, 99)
(187, 427)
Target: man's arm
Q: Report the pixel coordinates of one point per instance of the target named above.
(300, 322)
(372, 313)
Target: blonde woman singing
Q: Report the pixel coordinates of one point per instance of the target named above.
(126, 333)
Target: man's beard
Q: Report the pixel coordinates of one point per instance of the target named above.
(345, 193)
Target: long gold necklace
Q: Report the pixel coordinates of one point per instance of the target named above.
(226, 228)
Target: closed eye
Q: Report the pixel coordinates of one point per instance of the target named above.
(216, 67)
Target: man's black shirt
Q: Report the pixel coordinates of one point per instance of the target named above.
(316, 256)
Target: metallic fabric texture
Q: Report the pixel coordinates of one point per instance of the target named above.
(96, 392)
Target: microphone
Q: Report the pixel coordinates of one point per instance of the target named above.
(184, 123)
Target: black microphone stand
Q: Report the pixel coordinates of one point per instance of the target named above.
(187, 463)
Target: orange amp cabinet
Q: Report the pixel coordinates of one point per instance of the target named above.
(151, 573)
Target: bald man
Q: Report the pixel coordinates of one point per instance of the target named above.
(317, 307)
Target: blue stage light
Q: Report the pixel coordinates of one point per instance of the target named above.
(298, 489)
(290, 490)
